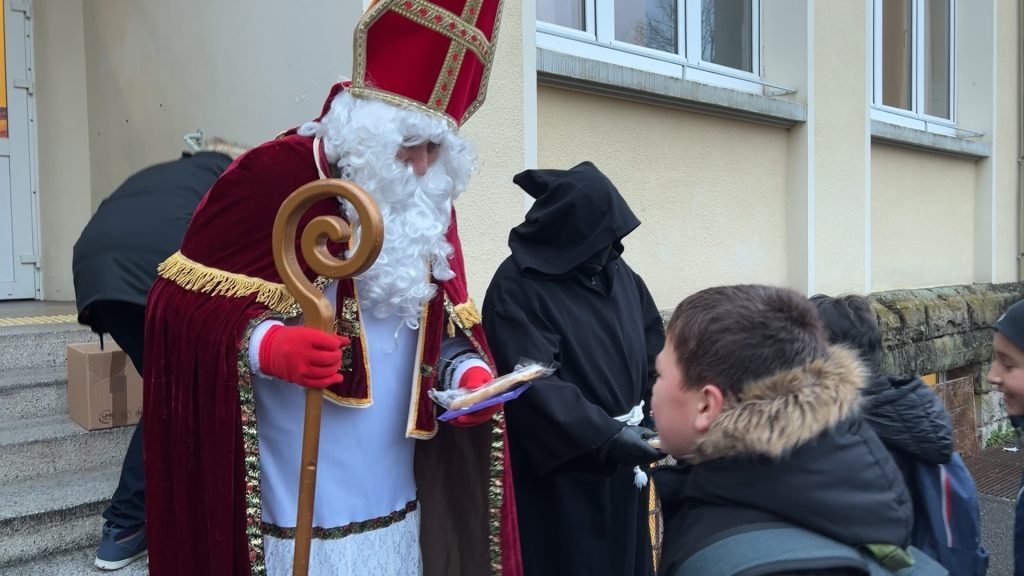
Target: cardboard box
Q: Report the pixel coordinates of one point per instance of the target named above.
(104, 389)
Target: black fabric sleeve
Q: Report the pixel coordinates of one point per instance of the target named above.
(552, 422)
(913, 421)
(928, 425)
(654, 339)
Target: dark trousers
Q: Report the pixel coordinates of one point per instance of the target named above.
(126, 324)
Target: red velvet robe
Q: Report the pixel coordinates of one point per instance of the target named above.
(201, 449)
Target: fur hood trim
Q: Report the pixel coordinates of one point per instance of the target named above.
(777, 414)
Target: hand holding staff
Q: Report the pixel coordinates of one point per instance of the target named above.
(316, 309)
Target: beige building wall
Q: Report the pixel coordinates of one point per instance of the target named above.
(1008, 138)
(63, 130)
(242, 69)
(710, 193)
(923, 209)
(839, 157)
(503, 134)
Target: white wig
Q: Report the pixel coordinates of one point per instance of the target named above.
(362, 137)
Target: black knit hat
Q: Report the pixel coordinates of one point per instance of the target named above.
(1011, 324)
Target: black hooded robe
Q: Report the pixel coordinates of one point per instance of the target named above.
(564, 296)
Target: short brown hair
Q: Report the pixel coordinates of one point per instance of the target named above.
(850, 320)
(732, 335)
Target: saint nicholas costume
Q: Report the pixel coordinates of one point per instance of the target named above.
(397, 492)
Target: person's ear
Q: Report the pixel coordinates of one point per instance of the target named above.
(710, 405)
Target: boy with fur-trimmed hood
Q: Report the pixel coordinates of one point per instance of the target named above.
(763, 414)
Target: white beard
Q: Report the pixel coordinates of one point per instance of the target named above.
(362, 137)
(416, 213)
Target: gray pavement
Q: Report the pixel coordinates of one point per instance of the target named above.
(997, 534)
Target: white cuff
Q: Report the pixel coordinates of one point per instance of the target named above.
(254, 344)
(465, 365)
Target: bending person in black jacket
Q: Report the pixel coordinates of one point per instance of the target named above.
(905, 413)
(114, 265)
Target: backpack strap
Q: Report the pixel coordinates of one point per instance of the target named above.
(769, 549)
(778, 547)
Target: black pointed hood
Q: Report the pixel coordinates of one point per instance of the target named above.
(577, 213)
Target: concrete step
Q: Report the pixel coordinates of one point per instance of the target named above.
(73, 563)
(33, 393)
(41, 346)
(52, 445)
(51, 515)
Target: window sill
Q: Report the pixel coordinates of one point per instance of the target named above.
(584, 74)
(906, 137)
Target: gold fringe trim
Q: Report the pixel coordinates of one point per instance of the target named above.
(193, 276)
(467, 314)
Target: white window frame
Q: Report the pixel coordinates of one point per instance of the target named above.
(597, 42)
(914, 118)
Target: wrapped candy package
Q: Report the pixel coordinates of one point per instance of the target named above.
(503, 388)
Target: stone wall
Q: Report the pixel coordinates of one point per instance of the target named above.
(947, 330)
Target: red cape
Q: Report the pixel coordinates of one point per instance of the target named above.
(202, 464)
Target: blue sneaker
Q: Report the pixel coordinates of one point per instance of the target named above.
(120, 546)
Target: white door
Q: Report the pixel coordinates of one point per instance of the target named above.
(18, 252)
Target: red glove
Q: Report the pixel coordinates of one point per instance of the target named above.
(301, 355)
(472, 379)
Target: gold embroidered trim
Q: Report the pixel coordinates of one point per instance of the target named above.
(196, 277)
(347, 324)
(251, 450)
(417, 382)
(350, 402)
(482, 94)
(250, 436)
(460, 30)
(496, 490)
(395, 99)
(363, 343)
(346, 530)
(455, 57)
(351, 325)
(445, 83)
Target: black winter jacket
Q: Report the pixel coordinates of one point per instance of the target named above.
(138, 226)
(796, 452)
(910, 419)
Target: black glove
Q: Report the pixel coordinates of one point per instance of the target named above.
(629, 447)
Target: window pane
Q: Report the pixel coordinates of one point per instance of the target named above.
(936, 58)
(3, 77)
(650, 23)
(726, 33)
(568, 13)
(897, 68)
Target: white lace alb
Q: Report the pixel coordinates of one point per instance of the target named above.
(390, 551)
